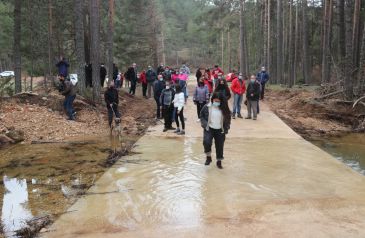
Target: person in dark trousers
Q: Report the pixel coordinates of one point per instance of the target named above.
(151, 77)
(222, 88)
(63, 66)
(158, 86)
(166, 101)
(69, 91)
(198, 74)
(103, 74)
(88, 75)
(238, 88)
(263, 78)
(115, 72)
(111, 98)
(160, 69)
(215, 118)
(179, 102)
(167, 74)
(143, 80)
(131, 76)
(253, 96)
(201, 96)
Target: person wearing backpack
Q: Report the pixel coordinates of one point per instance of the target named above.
(179, 102)
(201, 96)
(166, 101)
(69, 92)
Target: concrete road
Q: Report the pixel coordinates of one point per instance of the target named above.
(274, 184)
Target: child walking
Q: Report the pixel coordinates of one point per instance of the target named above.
(179, 102)
(215, 118)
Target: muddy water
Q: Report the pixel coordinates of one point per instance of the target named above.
(349, 149)
(45, 179)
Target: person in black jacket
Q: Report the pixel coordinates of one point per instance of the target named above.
(198, 74)
(158, 86)
(103, 74)
(215, 118)
(115, 72)
(131, 76)
(253, 96)
(111, 98)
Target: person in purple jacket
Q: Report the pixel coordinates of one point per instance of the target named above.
(201, 96)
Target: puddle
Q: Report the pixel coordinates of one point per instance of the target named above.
(43, 179)
(349, 149)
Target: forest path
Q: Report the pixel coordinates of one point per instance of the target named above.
(274, 184)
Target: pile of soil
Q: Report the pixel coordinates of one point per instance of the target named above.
(42, 118)
(312, 117)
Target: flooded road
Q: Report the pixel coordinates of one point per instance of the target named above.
(45, 179)
(349, 149)
(274, 184)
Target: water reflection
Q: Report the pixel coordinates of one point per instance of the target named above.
(15, 211)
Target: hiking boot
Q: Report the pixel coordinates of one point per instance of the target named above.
(248, 118)
(219, 164)
(171, 128)
(255, 119)
(165, 129)
(208, 161)
(177, 130)
(239, 116)
(181, 133)
(233, 116)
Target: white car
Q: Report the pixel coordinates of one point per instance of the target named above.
(7, 74)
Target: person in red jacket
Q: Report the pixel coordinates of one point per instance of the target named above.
(238, 88)
(208, 82)
(217, 70)
(143, 80)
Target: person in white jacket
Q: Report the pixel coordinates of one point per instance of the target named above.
(179, 102)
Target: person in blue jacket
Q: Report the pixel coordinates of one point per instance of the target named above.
(63, 66)
(263, 78)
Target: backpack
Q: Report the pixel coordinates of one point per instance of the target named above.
(73, 79)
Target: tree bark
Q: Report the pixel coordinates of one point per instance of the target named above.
(79, 44)
(342, 29)
(348, 66)
(242, 40)
(327, 32)
(279, 42)
(110, 38)
(17, 45)
(306, 70)
(291, 46)
(95, 47)
(356, 36)
(362, 64)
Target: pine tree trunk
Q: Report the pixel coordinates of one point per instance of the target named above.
(348, 64)
(362, 65)
(306, 70)
(342, 29)
(50, 37)
(296, 44)
(279, 43)
(327, 32)
(242, 40)
(110, 39)
(95, 47)
(356, 36)
(291, 46)
(17, 46)
(80, 47)
(269, 36)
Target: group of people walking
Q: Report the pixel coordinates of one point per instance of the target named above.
(169, 90)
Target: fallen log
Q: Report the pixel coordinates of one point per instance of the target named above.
(63, 142)
(329, 95)
(358, 101)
